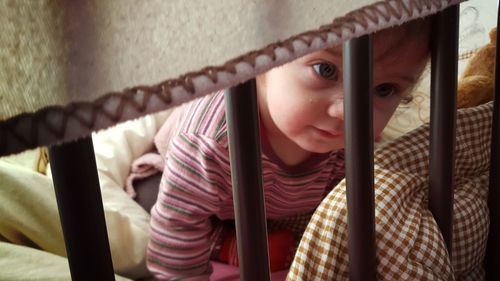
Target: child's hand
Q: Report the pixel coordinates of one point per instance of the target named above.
(281, 249)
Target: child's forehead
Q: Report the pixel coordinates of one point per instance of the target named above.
(391, 41)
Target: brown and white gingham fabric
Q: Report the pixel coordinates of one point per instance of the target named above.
(409, 244)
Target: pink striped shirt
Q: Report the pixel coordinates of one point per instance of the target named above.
(196, 185)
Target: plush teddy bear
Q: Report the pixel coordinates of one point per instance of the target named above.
(476, 84)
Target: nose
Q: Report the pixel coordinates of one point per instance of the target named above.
(336, 108)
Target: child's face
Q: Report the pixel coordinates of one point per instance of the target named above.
(302, 102)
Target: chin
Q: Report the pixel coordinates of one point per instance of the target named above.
(320, 148)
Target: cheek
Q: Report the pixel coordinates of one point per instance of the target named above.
(288, 104)
(292, 104)
(289, 115)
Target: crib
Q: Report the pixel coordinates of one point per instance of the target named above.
(79, 199)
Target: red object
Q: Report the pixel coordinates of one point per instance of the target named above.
(281, 249)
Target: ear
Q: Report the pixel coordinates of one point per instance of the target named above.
(493, 35)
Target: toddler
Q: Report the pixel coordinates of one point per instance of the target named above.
(301, 107)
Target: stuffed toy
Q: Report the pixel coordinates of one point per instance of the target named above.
(476, 84)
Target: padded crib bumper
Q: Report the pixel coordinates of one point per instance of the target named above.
(59, 85)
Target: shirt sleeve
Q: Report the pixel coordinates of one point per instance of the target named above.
(195, 180)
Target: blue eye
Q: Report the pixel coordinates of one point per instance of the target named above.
(326, 71)
(385, 90)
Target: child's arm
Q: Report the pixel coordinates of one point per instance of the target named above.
(189, 194)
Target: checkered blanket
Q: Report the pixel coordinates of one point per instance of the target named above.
(408, 242)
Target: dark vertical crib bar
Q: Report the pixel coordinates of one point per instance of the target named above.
(359, 157)
(244, 147)
(78, 195)
(492, 258)
(444, 60)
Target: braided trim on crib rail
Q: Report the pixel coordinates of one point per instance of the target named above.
(57, 124)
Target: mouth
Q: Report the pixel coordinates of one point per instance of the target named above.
(328, 134)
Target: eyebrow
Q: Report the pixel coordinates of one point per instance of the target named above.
(333, 52)
(407, 79)
(381, 56)
(339, 53)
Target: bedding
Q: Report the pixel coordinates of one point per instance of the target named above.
(31, 242)
(24, 263)
(30, 232)
(409, 244)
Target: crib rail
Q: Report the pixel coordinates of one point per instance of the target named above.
(248, 195)
(444, 64)
(79, 201)
(493, 247)
(358, 124)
